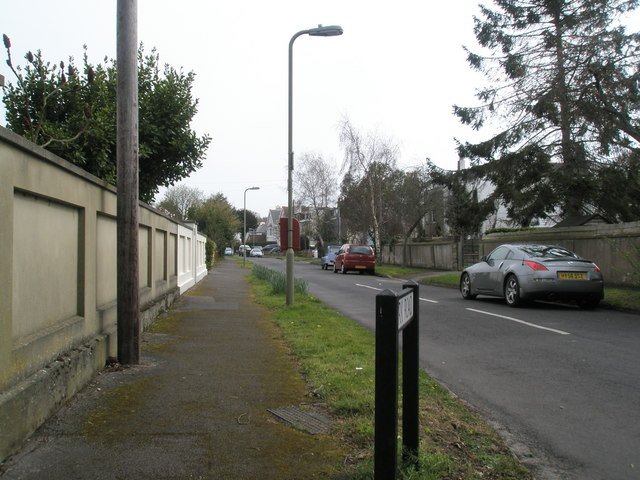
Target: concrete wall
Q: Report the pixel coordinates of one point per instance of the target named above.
(58, 280)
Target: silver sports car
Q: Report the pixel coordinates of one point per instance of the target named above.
(528, 272)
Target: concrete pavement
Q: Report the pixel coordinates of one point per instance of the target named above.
(196, 406)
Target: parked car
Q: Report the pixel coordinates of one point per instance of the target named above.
(271, 248)
(228, 251)
(244, 248)
(529, 272)
(355, 257)
(327, 260)
(256, 252)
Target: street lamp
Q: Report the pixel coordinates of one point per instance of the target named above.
(244, 230)
(320, 31)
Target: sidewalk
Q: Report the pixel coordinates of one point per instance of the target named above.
(196, 406)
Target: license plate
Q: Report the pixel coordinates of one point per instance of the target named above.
(361, 267)
(572, 275)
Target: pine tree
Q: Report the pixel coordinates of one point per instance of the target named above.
(563, 77)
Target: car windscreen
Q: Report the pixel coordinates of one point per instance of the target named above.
(547, 252)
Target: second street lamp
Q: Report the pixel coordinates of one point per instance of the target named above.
(320, 31)
(244, 230)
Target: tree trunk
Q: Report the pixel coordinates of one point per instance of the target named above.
(404, 251)
(570, 155)
(374, 217)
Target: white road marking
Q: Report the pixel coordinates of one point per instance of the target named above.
(367, 286)
(560, 332)
(427, 300)
(380, 289)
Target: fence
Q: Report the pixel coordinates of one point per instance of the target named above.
(58, 280)
(438, 255)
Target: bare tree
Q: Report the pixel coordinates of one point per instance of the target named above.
(415, 198)
(316, 185)
(362, 154)
(315, 181)
(180, 199)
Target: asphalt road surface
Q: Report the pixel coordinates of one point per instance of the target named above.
(561, 384)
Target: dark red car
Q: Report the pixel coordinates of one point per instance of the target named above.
(355, 257)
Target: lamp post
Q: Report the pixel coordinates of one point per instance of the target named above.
(244, 230)
(320, 31)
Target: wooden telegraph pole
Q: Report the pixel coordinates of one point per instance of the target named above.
(127, 156)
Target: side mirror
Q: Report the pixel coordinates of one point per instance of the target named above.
(484, 258)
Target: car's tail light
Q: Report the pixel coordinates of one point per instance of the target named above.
(596, 268)
(538, 267)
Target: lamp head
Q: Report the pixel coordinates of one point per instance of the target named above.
(329, 31)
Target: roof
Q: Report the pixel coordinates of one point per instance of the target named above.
(578, 221)
(274, 216)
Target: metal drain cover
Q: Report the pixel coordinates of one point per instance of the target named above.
(310, 421)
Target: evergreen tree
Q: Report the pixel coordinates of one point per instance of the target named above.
(252, 221)
(71, 111)
(464, 212)
(216, 219)
(564, 78)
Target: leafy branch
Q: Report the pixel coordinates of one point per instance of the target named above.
(38, 77)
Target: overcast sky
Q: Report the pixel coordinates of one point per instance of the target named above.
(398, 69)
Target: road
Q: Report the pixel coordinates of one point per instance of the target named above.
(561, 384)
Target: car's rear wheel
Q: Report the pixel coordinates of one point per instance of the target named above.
(465, 287)
(335, 270)
(512, 291)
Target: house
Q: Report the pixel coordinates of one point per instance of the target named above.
(579, 221)
(499, 218)
(272, 225)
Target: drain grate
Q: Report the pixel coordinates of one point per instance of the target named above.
(311, 421)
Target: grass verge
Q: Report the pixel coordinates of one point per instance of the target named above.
(336, 357)
(622, 299)
(396, 271)
(447, 280)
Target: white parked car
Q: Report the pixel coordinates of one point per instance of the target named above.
(256, 252)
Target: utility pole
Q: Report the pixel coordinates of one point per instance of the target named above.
(127, 157)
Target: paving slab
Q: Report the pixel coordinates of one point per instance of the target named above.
(197, 406)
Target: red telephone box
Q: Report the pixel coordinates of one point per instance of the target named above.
(284, 237)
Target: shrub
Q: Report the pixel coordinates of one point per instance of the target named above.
(210, 248)
(278, 280)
